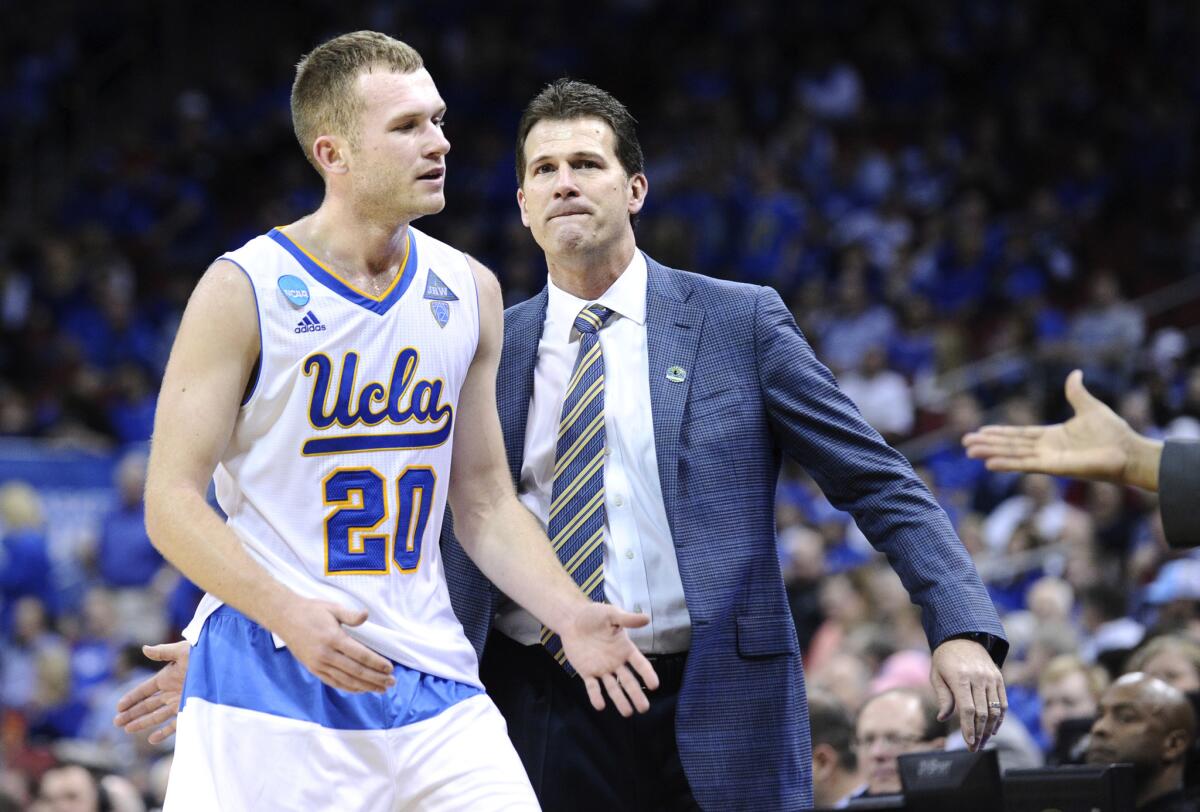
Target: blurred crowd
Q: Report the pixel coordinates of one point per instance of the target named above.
(960, 200)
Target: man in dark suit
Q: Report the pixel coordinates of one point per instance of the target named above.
(645, 412)
(705, 385)
(1097, 444)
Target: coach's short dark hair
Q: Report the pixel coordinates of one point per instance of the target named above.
(566, 99)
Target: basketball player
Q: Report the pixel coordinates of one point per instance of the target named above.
(322, 371)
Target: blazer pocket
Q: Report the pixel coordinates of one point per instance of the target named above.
(723, 402)
(764, 636)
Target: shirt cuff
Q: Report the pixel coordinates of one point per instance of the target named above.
(996, 647)
(1178, 488)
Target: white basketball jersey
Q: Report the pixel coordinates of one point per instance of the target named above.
(336, 475)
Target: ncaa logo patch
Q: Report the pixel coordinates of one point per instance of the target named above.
(441, 312)
(294, 289)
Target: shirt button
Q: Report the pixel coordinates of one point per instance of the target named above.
(629, 553)
(637, 607)
(618, 501)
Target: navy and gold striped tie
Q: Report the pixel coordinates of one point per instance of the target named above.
(576, 526)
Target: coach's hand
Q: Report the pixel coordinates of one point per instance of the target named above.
(156, 700)
(964, 676)
(600, 650)
(313, 632)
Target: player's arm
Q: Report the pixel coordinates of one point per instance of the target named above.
(211, 361)
(509, 546)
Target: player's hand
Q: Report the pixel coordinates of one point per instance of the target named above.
(155, 701)
(600, 650)
(313, 633)
(964, 676)
(1095, 444)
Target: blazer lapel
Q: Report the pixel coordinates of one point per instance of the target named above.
(672, 336)
(514, 382)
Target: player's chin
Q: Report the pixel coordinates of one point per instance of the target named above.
(432, 202)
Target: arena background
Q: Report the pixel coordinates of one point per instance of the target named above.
(961, 201)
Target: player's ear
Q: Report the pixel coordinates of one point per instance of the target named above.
(330, 154)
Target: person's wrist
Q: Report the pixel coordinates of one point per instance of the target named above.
(1142, 459)
(572, 613)
(277, 609)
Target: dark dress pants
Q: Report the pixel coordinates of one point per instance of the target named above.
(579, 759)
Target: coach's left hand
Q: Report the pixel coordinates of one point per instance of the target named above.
(964, 676)
(155, 701)
(600, 650)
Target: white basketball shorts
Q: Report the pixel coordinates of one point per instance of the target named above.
(258, 731)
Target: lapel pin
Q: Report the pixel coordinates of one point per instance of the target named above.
(676, 374)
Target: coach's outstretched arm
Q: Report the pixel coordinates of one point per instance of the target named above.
(510, 547)
(1094, 444)
(214, 354)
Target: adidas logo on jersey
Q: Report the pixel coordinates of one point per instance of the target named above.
(309, 324)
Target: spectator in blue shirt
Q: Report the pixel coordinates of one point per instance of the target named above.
(24, 558)
(124, 555)
(126, 561)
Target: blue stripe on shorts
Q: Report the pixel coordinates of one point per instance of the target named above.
(235, 663)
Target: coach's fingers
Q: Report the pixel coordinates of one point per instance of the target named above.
(167, 652)
(629, 620)
(163, 733)
(619, 700)
(972, 712)
(633, 689)
(131, 720)
(1002, 711)
(644, 669)
(139, 693)
(152, 719)
(594, 693)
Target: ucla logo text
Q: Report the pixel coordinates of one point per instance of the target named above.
(404, 399)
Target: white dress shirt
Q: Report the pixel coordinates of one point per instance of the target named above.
(641, 573)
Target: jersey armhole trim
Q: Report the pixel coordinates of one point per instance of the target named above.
(256, 373)
(478, 307)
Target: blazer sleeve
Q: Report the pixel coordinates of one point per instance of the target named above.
(1178, 489)
(860, 473)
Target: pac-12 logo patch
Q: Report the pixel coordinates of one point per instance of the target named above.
(441, 312)
(294, 289)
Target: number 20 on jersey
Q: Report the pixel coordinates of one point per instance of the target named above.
(358, 537)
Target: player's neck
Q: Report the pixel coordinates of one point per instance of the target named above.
(349, 243)
(588, 275)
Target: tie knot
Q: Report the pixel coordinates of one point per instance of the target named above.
(592, 318)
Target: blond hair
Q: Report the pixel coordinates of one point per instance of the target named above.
(1175, 643)
(1064, 665)
(20, 506)
(324, 101)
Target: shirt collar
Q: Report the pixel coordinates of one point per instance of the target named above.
(626, 297)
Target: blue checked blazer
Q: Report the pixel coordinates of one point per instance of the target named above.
(753, 391)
